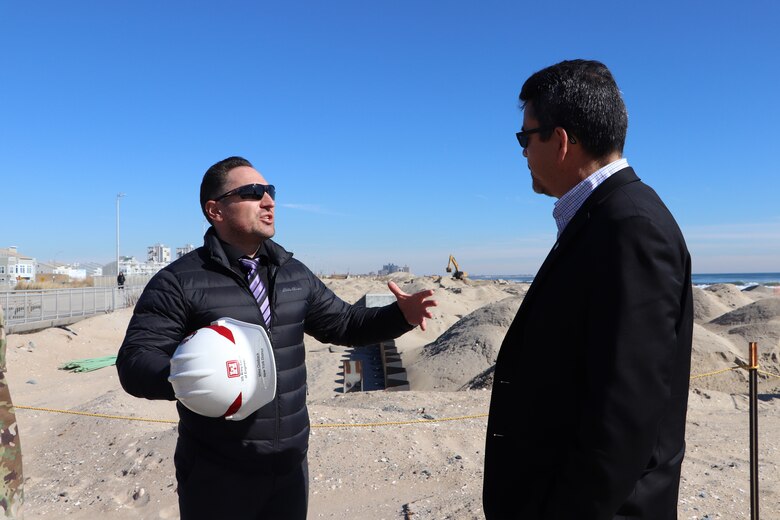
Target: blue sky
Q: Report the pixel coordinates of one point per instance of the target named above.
(387, 127)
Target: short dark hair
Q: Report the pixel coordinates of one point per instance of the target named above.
(213, 183)
(582, 97)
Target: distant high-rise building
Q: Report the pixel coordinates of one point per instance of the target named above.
(181, 251)
(392, 268)
(158, 253)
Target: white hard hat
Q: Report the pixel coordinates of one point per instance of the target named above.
(226, 369)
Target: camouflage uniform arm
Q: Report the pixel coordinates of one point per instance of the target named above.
(11, 478)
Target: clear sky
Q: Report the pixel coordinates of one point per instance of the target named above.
(387, 127)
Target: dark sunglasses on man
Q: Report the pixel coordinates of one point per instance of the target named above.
(522, 137)
(251, 192)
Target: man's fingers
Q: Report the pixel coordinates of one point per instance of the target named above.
(395, 289)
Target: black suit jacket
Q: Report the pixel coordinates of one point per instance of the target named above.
(587, 416)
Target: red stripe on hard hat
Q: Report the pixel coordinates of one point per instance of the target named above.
(224, 331)
(233, 407)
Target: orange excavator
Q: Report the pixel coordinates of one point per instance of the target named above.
(458, 274)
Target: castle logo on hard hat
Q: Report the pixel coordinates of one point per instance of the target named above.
(233, 368)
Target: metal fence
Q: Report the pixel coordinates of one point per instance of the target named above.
(37, 309)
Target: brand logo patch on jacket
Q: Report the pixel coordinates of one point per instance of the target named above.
(292, 291)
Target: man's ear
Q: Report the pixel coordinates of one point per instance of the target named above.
(213, 210)
(562, 138)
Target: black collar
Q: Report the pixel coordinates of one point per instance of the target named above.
(269, 252)
(233, 254)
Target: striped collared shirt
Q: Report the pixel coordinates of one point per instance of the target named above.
(570, 202)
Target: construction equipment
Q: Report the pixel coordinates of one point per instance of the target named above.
(458, 274)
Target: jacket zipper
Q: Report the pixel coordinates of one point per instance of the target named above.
(272, 269)
(271, 300)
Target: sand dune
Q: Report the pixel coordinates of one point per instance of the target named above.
(729, 295)
(465, 350)
(761, 311)
(706, 307)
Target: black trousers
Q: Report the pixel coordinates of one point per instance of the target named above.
(211, 490)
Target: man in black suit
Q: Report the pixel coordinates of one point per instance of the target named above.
(587, 416)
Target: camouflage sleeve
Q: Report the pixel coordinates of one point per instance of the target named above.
(11, 479)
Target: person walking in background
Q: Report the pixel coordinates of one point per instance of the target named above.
(120, 279)
(12, 488)
(255, 468)
(609, 315)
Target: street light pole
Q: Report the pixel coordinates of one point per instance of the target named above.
(118, 196)
(113, 291)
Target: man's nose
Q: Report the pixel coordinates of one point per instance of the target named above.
(525, 153)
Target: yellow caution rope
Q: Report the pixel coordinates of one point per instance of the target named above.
(347, 425)
(324, 425)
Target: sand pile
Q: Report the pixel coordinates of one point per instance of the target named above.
(465, 350)
(721, 339)
(86, 467)
(729, 295)
(761, 291)
(761, 311)
(707, 306)
(711, 353)
(726, 314)
(759, 322)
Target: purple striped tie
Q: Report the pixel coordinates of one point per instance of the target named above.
(257, 287)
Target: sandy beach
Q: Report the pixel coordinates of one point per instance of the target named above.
(382, 455)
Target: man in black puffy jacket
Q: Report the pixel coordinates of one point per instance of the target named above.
(255, 468)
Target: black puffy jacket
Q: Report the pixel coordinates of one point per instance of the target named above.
(201, 287)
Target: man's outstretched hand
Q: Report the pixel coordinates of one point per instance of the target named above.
(413, 306)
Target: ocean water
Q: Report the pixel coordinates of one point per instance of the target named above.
(741, 280)
(518, 278)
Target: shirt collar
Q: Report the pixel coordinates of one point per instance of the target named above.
(233, 254)
(566, 207)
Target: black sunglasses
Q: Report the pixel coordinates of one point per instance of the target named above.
(251, 192)
(522, 137)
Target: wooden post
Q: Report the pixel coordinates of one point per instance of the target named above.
(753, 376)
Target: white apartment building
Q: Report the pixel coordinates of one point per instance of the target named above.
(72, 271)
(158, 253)
(15, 267)
(181, 251)
(157, 257)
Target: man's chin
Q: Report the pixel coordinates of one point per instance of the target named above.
(538, 188)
